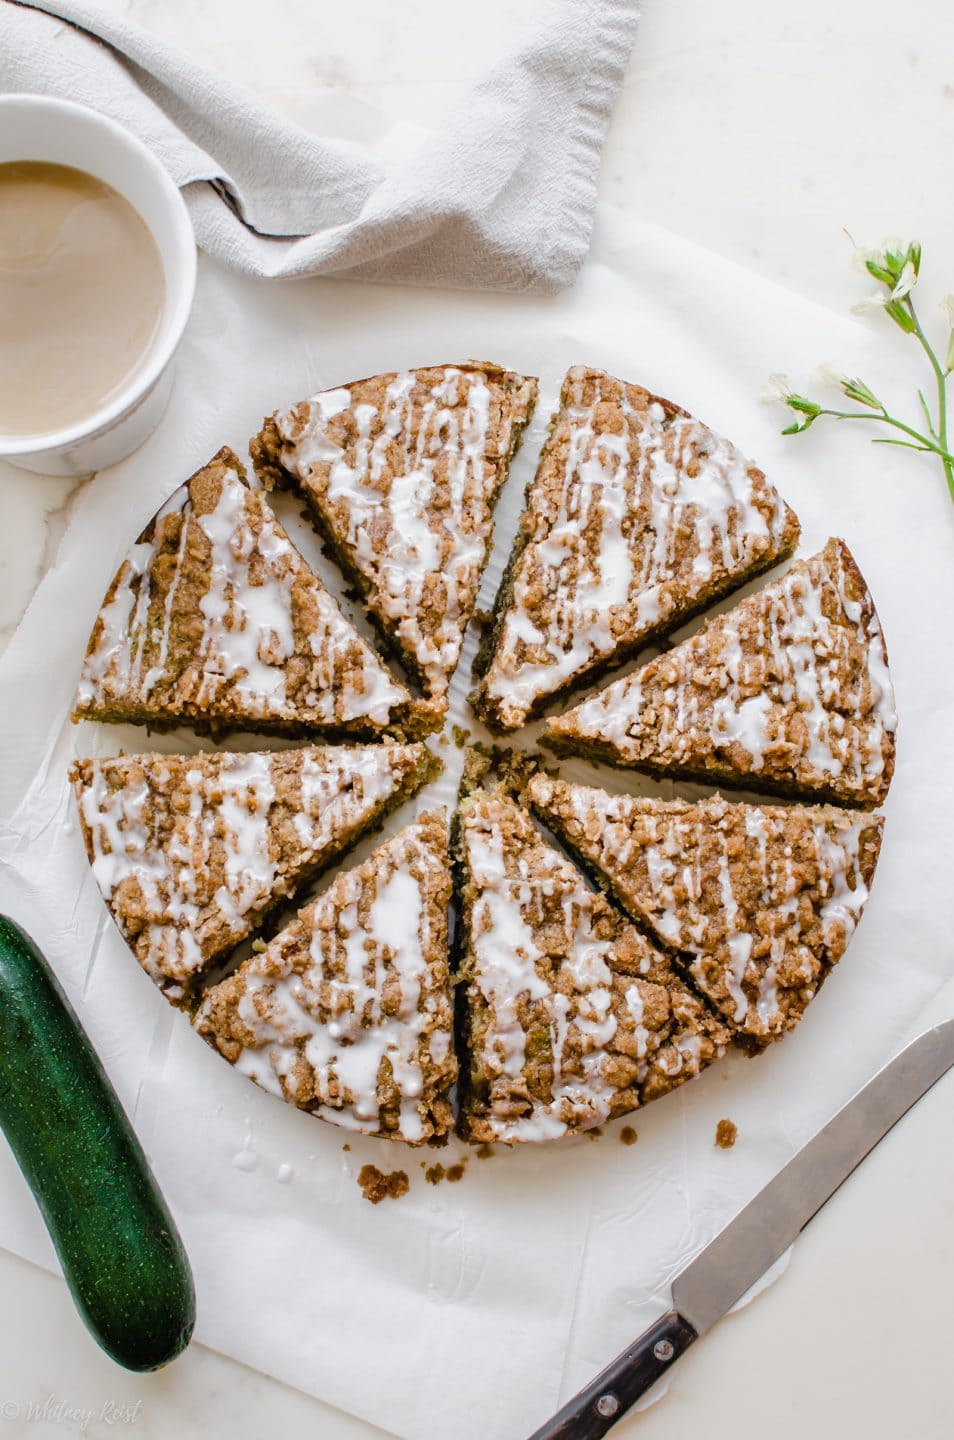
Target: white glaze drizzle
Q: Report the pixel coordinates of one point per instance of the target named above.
(634, 487)
(195, 839)
(663, 859)
(382, 1015)
(796, 677)
(411, 500)
(248, 634)
(509, 971)
(118, 652)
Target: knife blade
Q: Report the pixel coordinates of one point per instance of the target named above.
(742, 1252)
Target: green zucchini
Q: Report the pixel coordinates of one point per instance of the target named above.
(121, 1254)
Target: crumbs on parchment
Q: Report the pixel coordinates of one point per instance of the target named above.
(726, 1134)
(376, 1186)
(594, 1134)
(485, 1151)
(434, 1174)
(628, 1135)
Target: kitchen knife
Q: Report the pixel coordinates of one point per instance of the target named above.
(742, 1252)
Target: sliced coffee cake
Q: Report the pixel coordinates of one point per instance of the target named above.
(760, 901)
(191, 851)
(568, 1015)
(348, 1012)
(788, 692)
(215, 620)
(639, 517)
(401, 473)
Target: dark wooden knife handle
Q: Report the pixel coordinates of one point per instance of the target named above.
(594, 1411)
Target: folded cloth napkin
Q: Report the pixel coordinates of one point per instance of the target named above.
(500, 197)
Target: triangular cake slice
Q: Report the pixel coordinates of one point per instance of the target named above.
(215, 620)
(760, 901)
(639, 516)
(401, 473)
(788, 692)
(348, 1011)
(570, 1016)
(191, 851)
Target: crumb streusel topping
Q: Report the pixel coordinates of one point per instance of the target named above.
(190, 852)
(789, 690)
(348, 1012)
(760, 900)
(638, 515)
(215, 616)
(402, 472)
(571, 1016)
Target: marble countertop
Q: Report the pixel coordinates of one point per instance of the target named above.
(761, 132)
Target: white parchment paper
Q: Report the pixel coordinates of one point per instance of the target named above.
(472, 1309)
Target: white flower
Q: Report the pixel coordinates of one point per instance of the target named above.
(871, 302)
(906, 281)
(877, 256)
(862, 254)
(777, 388)
(828, 375)
(890, 245)
(947, 308)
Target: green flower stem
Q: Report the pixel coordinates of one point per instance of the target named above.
(924, 442)
(940, 376)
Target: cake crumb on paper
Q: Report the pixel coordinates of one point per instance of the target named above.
(628, 1135)
(376, 1186)
(726, 1134)
(435, 1174)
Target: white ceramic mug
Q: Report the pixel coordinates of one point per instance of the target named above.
(37, 127)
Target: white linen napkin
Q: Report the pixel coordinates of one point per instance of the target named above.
(500, 197)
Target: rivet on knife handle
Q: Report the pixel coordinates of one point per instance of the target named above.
(594, 1411)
